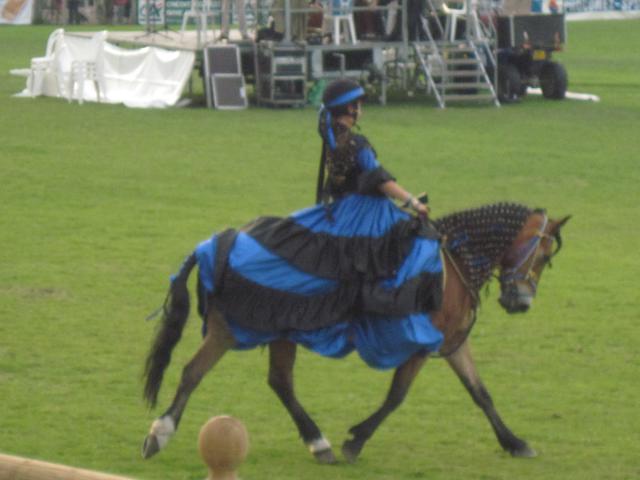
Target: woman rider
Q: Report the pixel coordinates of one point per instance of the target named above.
(344, 154)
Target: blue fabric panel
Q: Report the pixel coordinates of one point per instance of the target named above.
(330, 341)
(388, 343)
(367, 159)
(255, 263)
(423, 258)
(352, 216)
(381, 343)
(206, 255)
(246, 338)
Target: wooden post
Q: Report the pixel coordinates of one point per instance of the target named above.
(19, 468)
(223, 443)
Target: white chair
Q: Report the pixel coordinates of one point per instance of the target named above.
(87, 64)
(200, 11)
(341, 12)
(466, 9)
(40, 66)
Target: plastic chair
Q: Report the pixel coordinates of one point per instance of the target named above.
(87, 65)
(467, 10)
(200, 11)
(341, 11)
(40, 66)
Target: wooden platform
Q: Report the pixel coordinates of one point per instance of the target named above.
(169, 39)
(173, 40)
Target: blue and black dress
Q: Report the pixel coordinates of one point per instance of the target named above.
(354, 272)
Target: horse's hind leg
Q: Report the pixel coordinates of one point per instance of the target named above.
(282, 356)
(462, 363)
(217, 341)
(402, 380)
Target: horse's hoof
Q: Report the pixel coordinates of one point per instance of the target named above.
(351, 450)
(161, 430)
(325, 457)
(320, 448)
(525, 451)
(150, 446)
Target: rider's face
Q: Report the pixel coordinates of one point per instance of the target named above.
(357, 110)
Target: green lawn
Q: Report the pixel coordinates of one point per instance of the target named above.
(99, 205)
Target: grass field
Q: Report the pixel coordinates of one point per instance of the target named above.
(99, 204)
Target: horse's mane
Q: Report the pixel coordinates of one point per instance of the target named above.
(478, 237)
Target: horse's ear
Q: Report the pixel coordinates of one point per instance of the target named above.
(560, 223)
(564, 220)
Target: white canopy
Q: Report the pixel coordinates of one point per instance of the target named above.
(145, 77)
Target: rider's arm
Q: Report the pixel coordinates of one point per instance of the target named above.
(368, 162)
(392, 189)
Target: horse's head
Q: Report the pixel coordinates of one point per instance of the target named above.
(522, 265)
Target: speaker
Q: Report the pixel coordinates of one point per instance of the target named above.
(224, 82)
(228, 91)
(222, 59)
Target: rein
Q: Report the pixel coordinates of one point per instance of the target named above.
(470, 290)
(474, 308)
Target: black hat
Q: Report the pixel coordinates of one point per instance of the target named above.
(342, 92)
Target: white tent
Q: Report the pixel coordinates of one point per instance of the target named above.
(145, 77)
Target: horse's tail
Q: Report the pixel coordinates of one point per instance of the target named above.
(174, 318)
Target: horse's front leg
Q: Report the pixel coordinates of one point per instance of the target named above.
(402, 380)
(282, 356)
(462, 363)
(217, 341)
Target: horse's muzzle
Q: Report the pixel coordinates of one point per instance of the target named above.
(513, 307)
(513, 300)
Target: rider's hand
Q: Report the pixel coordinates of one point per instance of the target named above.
(420, 208)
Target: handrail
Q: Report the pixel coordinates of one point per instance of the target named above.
(427, 70)
(484, 73)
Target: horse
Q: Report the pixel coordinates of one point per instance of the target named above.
(512, 239)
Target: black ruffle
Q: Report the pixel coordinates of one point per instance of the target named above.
(420, 294)
(339, 258)
(268, 310)
(369, 181)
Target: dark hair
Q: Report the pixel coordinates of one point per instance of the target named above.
(335, 102)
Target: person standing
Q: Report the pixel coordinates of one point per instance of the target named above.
(119, 11)
(226, 14)
(74, 13)
(298, 19)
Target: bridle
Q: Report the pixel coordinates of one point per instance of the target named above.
(509, 277)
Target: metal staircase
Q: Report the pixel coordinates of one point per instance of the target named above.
(455, 71)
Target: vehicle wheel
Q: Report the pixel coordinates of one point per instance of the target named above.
(509, 83)
(553, 81)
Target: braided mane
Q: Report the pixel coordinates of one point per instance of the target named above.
(478, 237)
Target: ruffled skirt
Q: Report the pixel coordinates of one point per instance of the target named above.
(359, 274)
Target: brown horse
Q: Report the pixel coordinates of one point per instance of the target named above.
(475, 243)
